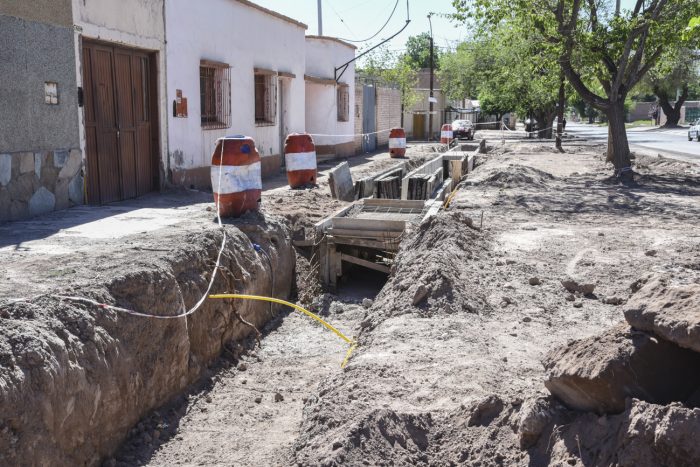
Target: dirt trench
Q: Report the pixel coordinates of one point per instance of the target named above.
(75, 379)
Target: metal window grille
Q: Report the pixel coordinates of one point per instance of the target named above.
(265, 99)
(215, 94)
(343, 103)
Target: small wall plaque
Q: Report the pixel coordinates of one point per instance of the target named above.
(51, 93)
(180, 104)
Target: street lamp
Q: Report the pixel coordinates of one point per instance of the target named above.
(430, 112)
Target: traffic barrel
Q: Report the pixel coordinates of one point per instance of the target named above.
(397, 142)
(446, 134)
(300, 159)
(236, 176)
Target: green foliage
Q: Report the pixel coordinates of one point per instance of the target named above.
(394, 69)
(418, 52)
(692, 29)
(509, 68)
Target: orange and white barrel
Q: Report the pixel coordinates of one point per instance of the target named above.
(446, 134)
(397, 142)
(236, 176)
(300, 159)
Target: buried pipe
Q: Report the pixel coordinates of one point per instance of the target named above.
(353, 343)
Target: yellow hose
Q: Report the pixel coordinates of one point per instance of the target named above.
(353, 344)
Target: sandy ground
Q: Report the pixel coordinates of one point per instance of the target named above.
(426, 368)
(473, 303)
(481, 332)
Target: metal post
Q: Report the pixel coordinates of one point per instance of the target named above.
(430, 113)
(320, 18)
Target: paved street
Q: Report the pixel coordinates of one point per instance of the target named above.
(671, 142)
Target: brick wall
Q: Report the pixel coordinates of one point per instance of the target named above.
(357, 113)
(388, 113)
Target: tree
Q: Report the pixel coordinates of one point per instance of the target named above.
(595, 44)
(509, 70)
(460, 70)
(675, 72)
(391, 68)
(418, 52)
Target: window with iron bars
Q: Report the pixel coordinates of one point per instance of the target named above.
(215, 94)
(265, 99)
(343, 102)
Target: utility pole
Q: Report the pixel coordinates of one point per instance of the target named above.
(617, 7)
(430, 113)
(320, 18)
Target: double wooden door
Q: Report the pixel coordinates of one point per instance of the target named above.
(121, 130)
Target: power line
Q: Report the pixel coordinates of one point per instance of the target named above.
(340, 18)
(380, 30)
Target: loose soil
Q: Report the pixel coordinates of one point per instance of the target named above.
(448, 370)
(450, 356)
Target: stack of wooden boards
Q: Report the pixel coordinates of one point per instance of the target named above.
(422, 183)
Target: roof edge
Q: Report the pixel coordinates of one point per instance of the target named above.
(273, 13)
(334, 39)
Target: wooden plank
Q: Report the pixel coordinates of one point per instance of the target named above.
(365, 233)
(427, 168)
(367, 224)
(365, 263)
(365, 188)
(320, 226)
(362, 242)
(389, 188)
(395, 203)
(340, 181)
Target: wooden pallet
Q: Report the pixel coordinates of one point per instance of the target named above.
(373, 227)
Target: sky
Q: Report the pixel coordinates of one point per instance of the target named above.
(360, 19)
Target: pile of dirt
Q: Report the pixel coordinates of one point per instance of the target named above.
(425, 278)
(514, 175)
(75, 378)
(639, 383)
(455, 377)
(647, 164)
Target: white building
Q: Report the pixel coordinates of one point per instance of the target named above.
(330, 95)
(240, 68)
(112, 99)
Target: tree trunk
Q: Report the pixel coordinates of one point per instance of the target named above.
(560, 111)
(617, 140)
(673, 112)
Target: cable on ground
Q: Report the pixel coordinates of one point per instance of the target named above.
(351, 342)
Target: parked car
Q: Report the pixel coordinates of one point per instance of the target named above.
(462, 129)
(694, 131)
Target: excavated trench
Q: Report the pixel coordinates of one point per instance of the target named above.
(75, 378)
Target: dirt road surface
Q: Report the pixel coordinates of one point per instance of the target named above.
(448, 369)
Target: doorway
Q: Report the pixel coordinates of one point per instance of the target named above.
(121, 122)
(419, 127)
(369, 119)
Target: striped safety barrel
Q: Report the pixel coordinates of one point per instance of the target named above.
(300, 159)
(397, 142)
(236, 180)
(446, 134)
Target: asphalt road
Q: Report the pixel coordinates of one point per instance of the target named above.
(668, 142)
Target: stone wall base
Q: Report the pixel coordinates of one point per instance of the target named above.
(35, 183)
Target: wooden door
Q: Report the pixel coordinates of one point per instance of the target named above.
(419, 126)
(121, 147)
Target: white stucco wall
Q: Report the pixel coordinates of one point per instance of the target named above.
(244, 37)
(131, 23)
(322, 56)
